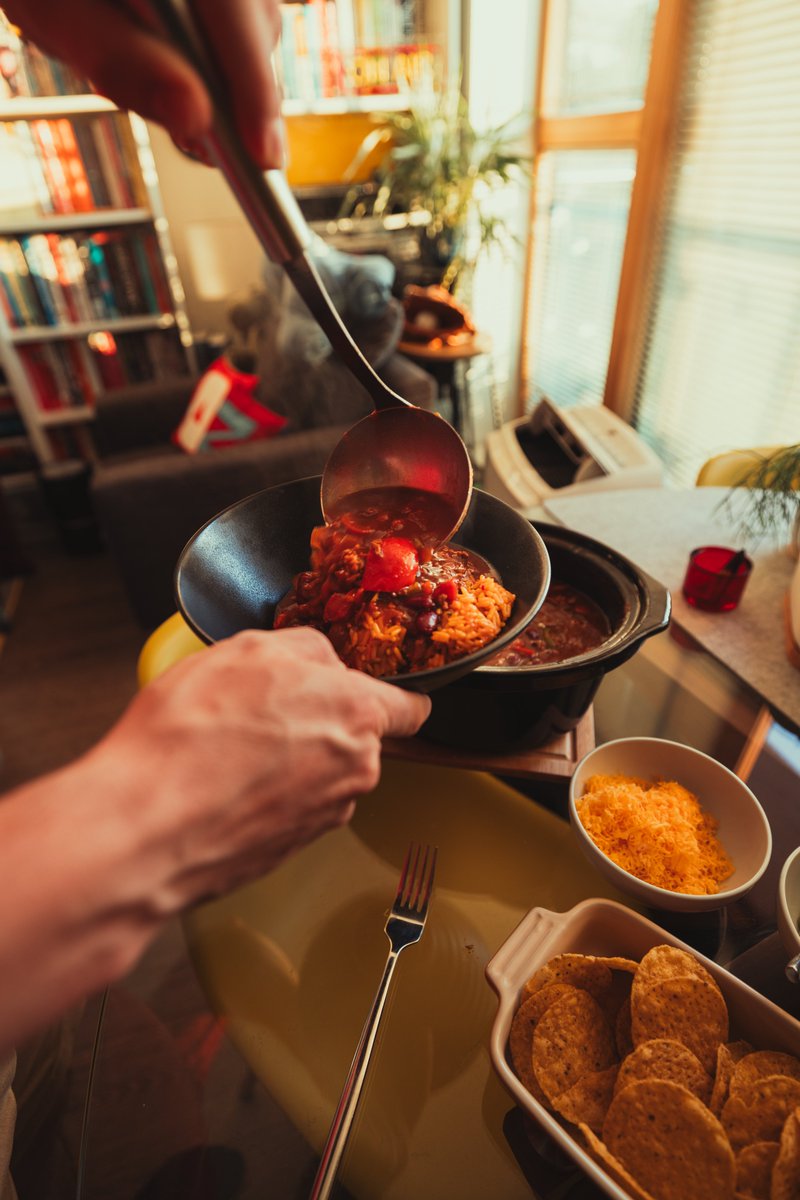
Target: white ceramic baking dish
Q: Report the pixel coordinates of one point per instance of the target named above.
(607, 928)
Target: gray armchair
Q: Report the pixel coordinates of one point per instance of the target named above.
(150, 497)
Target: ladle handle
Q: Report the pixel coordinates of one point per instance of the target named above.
(268, 202)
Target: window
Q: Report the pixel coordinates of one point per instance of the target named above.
(664, 276)
(720, 363)
(590, 98)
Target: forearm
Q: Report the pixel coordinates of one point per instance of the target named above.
(78, 892)
(213, 775)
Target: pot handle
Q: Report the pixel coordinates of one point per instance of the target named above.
(658, 610)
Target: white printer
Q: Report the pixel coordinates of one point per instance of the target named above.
(565, 452)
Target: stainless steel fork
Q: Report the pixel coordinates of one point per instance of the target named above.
(404, 926)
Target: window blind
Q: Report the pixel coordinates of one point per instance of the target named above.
(721, 361)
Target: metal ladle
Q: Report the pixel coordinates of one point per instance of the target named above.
(397, 445)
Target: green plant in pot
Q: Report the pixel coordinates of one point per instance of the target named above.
(766, 498)
(439, 163)
(766, 503)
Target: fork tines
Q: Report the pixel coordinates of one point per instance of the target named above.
(416, 878)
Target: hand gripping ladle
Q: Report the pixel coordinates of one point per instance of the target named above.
(396, 445)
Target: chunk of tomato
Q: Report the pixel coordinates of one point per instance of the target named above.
(391, 565)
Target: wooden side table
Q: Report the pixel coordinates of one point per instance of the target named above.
(443, 363)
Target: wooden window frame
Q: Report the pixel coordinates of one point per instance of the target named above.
(648, 131)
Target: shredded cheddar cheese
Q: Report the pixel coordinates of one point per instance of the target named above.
(656, 831)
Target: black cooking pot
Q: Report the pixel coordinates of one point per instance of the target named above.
(233, 571)
(513, 708)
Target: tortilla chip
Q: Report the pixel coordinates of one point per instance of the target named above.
(622, 1029)
(572, 1039)
(722, 1079)
(580, 970)
(587, 1101)
(542, 999)
(601, 1154)
(754, 1165)
(786, 1172)
(760, 1063)
(669, 1141)
(613, 998)
(686, 1009)
(663, 1058)
(617, 963)
(668, 962)
(758, 1112)
(520, 1047)
(728, 1054)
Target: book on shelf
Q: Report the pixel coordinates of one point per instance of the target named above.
(342, 48)
(73, 372)
(101, 197)
(24, 194)
(66, 147)
(19, 291)
(54, 168)
(25, 70)
(56, 279)
(69, 165)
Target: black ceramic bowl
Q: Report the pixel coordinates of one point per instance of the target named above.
(233, 572)
(514, 708)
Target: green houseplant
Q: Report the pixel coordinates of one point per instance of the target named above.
(766, 498)
(438, 162)
(766, 502)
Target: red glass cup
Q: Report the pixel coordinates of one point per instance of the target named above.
(715, 578)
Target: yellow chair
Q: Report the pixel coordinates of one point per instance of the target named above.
(172, 641)
(732, 467)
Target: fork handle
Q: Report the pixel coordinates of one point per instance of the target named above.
(351, 1092)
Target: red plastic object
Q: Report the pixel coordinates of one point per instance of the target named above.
(716, 577)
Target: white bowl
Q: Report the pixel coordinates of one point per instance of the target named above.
(789, 912)
(743, 828)
(606, 928)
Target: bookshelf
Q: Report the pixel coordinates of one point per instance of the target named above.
(354, 55)
(90, 295)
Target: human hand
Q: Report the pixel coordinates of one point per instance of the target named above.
(116, 46)
(248, 751)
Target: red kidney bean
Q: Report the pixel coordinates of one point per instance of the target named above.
(419, 600)
(426, 622)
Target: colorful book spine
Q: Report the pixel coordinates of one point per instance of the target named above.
(27, 293)
(110, 163)
(74, 169)
(35, 169)
(44, 382)
(91, 163)
(53, 167)
(96, 273)
(122, 269)
(43, 273)
(72, 276)
(129, 156)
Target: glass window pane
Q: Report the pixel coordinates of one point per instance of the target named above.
(582, 203)
(722, 356)
(598, 56)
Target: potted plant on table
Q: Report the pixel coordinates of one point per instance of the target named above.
(438, 162)
(766, 500)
